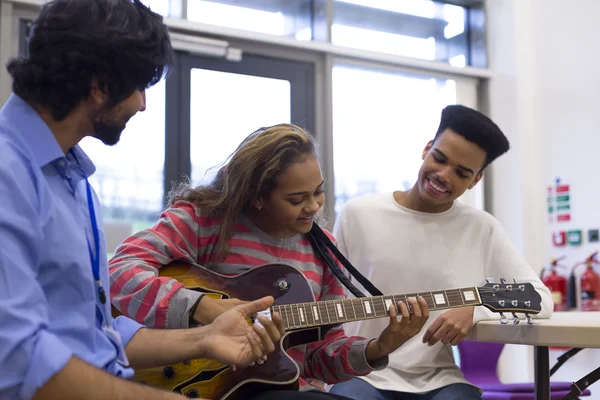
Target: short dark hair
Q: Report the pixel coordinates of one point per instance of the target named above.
(121, 43)
(476, 128)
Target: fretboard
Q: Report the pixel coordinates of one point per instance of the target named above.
(303, 315)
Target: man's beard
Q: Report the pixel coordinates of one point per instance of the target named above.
(107, 130)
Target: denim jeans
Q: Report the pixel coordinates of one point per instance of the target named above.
(360, 390)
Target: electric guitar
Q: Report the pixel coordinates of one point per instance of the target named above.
(305, 321)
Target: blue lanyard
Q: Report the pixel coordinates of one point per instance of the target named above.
(95, 259)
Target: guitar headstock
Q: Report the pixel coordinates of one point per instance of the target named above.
(512, 297)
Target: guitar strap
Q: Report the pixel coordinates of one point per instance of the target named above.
(325, 247)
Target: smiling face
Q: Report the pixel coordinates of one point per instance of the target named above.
(290, 207)
(451, 165)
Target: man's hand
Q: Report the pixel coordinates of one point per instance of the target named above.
(451, 327)
(398, 332)
(231, 339)
(209, 308)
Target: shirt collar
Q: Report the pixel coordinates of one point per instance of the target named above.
(27, 123)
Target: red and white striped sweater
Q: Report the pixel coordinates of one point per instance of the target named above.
(183, 232)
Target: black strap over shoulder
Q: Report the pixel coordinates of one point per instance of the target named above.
(325, 247)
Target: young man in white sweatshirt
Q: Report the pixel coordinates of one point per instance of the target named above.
(422, 240)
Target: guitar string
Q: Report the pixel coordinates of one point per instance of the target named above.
(349, 305)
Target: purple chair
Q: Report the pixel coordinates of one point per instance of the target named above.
(479, 361)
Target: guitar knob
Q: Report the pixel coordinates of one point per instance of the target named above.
(169, 372)
(516, 319)
(282, 284)
(193, 394)
(528, 319)
(503, 319)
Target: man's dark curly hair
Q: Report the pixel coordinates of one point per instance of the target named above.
(476, 128)
(121, 43)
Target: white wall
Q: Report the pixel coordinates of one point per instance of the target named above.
(544, 94)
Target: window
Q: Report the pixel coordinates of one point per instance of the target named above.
(421, 29)
(158, 6)
(381, 123)
(129, 176)
(255, 101)
(221, 102)
(276, 17)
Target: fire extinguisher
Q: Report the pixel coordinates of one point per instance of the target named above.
(556, 283)
(590, 284)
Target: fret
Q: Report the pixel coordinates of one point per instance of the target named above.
(308, 312)
(469, 295)
(290, 312)
(316, 313)
(368, 307)
(322, 305)
(347, 306)
(289, 316)
(302, 314)
(444, 294)
(449, 298)
(302, 317)
(405, 302)
(396, 304)
(383, 309)
(358, 308)
(339, 310)
(431, 300)
(295, 316)
(388, 303)
(353, 309)
(277, 309)
(439, 300)
(406, 297)
(331, 310)
(373, 306)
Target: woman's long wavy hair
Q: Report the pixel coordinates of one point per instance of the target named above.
(250, 174)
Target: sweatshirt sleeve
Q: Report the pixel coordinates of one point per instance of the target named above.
(504, 261)
(136, 288)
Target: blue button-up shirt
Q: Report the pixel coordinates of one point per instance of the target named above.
(49, 307)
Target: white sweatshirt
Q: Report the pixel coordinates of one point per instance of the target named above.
(400, 250)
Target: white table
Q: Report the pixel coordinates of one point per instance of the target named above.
(564, 329)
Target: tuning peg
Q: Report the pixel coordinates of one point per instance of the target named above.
(514, 280)
(528, 319)
(489, 280)
(516, 319)
(503, 319)
(502, 280)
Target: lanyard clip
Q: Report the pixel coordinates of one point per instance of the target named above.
(101, 292)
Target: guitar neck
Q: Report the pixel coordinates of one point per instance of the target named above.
(320, 313)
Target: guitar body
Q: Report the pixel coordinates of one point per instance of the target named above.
(212, 380)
